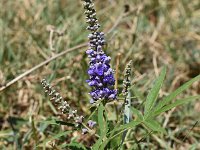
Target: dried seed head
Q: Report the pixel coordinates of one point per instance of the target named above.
(62, 105)
(126, 82)
(55, 96)
(79, 119)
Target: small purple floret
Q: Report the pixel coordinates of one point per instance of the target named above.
(91, 123)
(84, 131)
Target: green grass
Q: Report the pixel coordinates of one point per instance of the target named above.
(164, 33)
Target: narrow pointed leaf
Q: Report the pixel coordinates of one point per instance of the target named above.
(154, 126)
(102, 122)
(171, 96)
(175, 104)
(126, 126)
(98, 143)
(153, 93)
(122, 128)
(137, 113)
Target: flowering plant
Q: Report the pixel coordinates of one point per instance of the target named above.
(101, 74)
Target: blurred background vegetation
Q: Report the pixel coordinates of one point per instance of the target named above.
(152, 33)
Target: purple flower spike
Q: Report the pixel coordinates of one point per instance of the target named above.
(91, 123)
(101, 74)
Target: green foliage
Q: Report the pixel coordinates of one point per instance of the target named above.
(175, 104)
(102, 121)
(163, 106)
(109, 135)
(153, 93)
(171, 96)
(154, 125)
(137, 113)
(54, 137)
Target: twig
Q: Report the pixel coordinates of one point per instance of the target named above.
(117, 70)
(41, 64)
(168, 115)
(51, 30)
(190, 131)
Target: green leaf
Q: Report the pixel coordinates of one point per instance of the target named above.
(121, 129)
(126, 126)
(74, 145)
(171, 96)
(137, 113)
(175, 104)
(153, 93)
(102, 122)
(54, 137)
(154, 126)
(98, 143)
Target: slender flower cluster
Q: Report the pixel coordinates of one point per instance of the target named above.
(126, 82)
(62, 105)
(101, 75)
